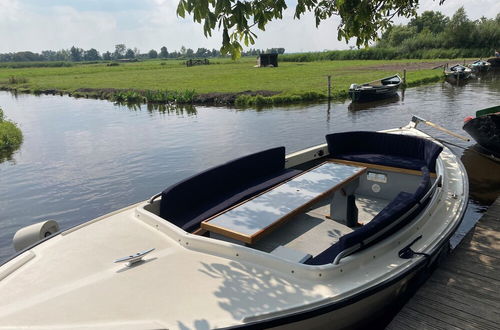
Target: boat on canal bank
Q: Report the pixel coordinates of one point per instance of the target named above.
(457, 73)
(480, 66)
(375, 90)
(485, 129)
(323, 237)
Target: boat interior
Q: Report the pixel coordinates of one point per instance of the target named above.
(394, 80)
(396, 180)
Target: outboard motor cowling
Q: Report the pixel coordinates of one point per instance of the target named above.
(29, 235)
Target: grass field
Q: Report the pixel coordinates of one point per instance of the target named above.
(222, 76)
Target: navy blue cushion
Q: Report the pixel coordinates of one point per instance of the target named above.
(195, 216)
(392, 212)
(384, 149)
(386, 160)
(425, 184)
(183, 203)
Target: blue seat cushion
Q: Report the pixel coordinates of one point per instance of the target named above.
(425, 184)
(209, 192)
(366, 235)
(210, 208)
(387, 149)
(386, 160)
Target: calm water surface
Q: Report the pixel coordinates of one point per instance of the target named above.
(84, 158)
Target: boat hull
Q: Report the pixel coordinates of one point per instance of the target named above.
(371, 303)
(495, 62)
(485, 130)
(372, 94)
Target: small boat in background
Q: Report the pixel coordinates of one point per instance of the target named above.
(375, 90)
(480, 66)
(457, 72)
(485, 129)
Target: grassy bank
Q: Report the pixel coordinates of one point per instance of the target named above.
(171, 81)
(11, 137)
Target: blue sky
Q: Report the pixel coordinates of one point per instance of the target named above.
(150, 24)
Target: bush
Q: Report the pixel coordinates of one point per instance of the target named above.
(11, 136)
(19, 65)
(17, 80)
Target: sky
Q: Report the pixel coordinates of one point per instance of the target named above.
(37, 25)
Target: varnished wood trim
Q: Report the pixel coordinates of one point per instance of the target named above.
(382, 167)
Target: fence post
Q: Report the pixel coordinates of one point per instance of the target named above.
(329, 87)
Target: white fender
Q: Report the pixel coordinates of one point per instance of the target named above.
(29, 235)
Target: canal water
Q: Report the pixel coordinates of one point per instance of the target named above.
(82, 158)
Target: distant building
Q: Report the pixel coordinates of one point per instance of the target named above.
(266, 60)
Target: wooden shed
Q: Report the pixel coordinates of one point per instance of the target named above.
(267, 60)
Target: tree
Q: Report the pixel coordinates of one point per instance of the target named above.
(153, 53)
(434, 21)
(107, 56)
(163, 52)
(130, 53)
(76, 54)
(120, 50)
(360, 19)
(91, 55)
(459, 30)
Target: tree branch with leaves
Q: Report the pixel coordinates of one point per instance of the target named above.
(238, 19)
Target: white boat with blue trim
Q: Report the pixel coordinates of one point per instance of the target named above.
(325, 237)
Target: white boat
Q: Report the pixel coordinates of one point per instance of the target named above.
(480, 66)
(325, 237)
(458, 72)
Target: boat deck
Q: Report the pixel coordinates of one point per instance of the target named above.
(463, 292)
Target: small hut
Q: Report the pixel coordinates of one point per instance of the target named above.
(267, 60)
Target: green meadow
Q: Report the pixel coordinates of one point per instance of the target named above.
(293, 81)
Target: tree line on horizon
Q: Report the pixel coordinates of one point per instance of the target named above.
(75, 54)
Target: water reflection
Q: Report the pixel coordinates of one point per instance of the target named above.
(168, 108)
(359, 106)
(6, 155)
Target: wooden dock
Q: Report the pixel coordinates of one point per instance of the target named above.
(464, 291)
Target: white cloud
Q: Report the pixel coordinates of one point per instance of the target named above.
(40, 25)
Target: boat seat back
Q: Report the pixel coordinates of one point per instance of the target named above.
(203, 195)
(387, 149)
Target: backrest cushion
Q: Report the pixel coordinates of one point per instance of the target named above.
(194, 195)
(365, 142)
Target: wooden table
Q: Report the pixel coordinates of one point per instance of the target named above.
(255, 217)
